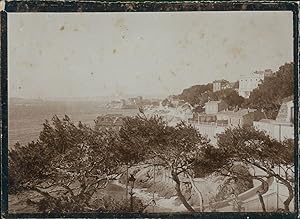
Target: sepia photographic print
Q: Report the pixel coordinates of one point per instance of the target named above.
(158, 111)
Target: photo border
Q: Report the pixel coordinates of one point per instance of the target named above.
(140, 6)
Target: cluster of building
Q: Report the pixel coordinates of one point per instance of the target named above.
(246, 83)
(217, 118)
(133, 103)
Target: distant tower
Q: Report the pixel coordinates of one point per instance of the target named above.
(217, 85)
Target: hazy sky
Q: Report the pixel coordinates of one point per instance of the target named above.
(153, 54)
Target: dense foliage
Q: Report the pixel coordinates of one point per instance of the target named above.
(68, 163)
(258, 151)
(179, 149)
(197, 94)
(229, 96)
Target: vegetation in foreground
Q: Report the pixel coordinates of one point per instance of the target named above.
(69, 164)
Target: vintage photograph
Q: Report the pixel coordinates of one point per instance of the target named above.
(151, 112)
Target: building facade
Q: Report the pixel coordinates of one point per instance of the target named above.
(241, 117)
(213, 107)
(204, 118)
(283, 127)
(210, 130)
(217, 118)
(247, 83)
(221, 85)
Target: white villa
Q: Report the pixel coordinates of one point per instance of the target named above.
(247, 83)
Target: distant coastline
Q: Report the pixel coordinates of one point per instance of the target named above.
(27, 116)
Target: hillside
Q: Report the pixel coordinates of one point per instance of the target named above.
(268, 96)
(197, 94)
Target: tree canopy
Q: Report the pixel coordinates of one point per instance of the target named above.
(71, 161)
(258, 151)
(229, 96)
(178, 148)
(197, 94)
